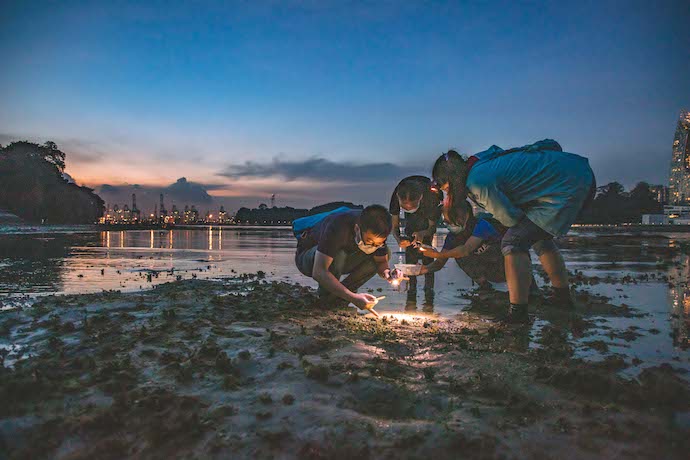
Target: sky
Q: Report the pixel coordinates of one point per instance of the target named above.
(318, 101)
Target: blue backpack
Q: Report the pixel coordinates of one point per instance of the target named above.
(301, 225)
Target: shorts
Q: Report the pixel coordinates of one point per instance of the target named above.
(525, 235)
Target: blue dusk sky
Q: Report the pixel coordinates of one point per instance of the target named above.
(318, 101)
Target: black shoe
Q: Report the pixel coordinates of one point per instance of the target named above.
(517, 314)
(560, 299)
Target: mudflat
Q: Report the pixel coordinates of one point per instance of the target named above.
(249, 368)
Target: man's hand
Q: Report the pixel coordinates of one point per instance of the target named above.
(389, 274)
(364, 301)
(394, 277)
(404, 243)
(429, 251)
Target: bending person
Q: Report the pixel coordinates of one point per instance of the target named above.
(352, 243)
(537, 191)
(475, 244)
(421, 206)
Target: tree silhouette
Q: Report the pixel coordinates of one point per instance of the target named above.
(52, 154)
(33, 187)
(613, 205)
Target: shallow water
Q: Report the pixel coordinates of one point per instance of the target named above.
(86, 260)
(130, 260)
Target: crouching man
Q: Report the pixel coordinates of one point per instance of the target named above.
(352, 243)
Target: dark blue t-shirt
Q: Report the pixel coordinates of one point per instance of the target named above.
(335, 233)
(489, 234)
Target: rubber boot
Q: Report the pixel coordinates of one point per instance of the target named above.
(517, 314)
(561, 298)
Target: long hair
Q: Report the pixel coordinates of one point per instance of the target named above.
(451, 169)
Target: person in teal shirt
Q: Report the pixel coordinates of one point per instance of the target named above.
(537, 191)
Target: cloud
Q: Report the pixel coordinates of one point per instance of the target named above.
(321, 169)
(314, 181)
(182, 192)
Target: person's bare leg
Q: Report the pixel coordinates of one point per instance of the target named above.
(554, 266)
(518, 277)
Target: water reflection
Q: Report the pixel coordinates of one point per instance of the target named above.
(91, 262)
(427, 304)
(35, 263)
(680, 303)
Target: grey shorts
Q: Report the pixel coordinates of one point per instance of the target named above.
(525, 235)
(487, 266)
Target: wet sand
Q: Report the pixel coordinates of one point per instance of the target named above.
(250, 368)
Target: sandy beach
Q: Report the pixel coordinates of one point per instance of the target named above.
(248, 368)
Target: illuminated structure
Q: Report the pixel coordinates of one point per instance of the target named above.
(222, 216)
(193, 215)
(660, 193)
(176, 214)
(162, 212)
(136, 213)
(679, 180)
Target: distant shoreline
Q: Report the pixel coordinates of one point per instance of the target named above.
(615, 228)
(184, 226)
(595, 227)
(83, 228)
(24, 228)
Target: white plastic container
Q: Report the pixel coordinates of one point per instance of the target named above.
(409, 269)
